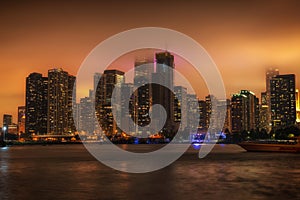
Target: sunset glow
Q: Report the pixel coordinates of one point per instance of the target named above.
(243, 38)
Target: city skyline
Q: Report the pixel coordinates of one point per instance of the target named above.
(260, 97)
(283, 100)
(84, 93)
(242, 44)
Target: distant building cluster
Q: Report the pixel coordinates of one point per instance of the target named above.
(51, 107)
(153, 84)
(277, 109)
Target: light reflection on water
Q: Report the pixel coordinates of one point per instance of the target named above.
(70, 172)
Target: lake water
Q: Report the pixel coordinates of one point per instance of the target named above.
(70, 172)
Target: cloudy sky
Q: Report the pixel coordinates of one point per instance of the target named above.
(244, 38)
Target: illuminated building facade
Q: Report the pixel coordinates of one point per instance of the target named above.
(60, 102)
(21, 119)
(36, 104)
(227, 122)
(263, 113)
(283, 101)
(86, 116)
(142, 101)
(267, 104)
(213, 122)
(244, 111)
(297, 106)
(162, 91)
(71, 103)
(192, 112)
(126, 117)
(107, 83)
(202, 116)
(180, 106)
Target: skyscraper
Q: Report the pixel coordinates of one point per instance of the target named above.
(105, 88)
(97, 77)
(244, 111)
(270, 73)
(208, 100)
(283, 101)
(252, 109)
(180, 106)
(60, 91)
(227, 123)
(263, 113)
(86, 117)
(192, 112)
(238, 106)
(297, 106)
(36, 104)
(21, 119)
(202, 115)
(165, 68)
(162, 91)
(214, 123)
(143, 95)
(71, 103)
(126, 117)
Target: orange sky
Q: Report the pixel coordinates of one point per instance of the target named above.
(243, 38)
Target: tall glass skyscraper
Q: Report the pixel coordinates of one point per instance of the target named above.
(143, 70)
(244, 111)
(267, 106)
(36, 104)
(283, 101)
(162, 91)
(105, 88)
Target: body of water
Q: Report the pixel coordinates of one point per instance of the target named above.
(70, 172)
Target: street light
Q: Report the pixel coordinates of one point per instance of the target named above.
(4, 130)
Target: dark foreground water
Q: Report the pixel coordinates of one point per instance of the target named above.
(70, 172)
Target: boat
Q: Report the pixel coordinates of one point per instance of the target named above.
(289, 146)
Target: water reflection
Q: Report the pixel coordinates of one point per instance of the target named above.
(70, 172)
(196, 146)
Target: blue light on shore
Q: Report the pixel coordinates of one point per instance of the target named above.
(196, 146)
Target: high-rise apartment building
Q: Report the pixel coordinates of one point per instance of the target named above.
(71, 103)
(214, 123)
(270, 73)
(264, 122)
(60, 102)
(21, 119)
(128, 105)
(227, 123)
(244, 111)
(283, 101)
(36, 104)
(107, 83)
(143, 94)
(192, 112)
(202, 116)
(86, 117)
(180, 106)
(162, 91)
